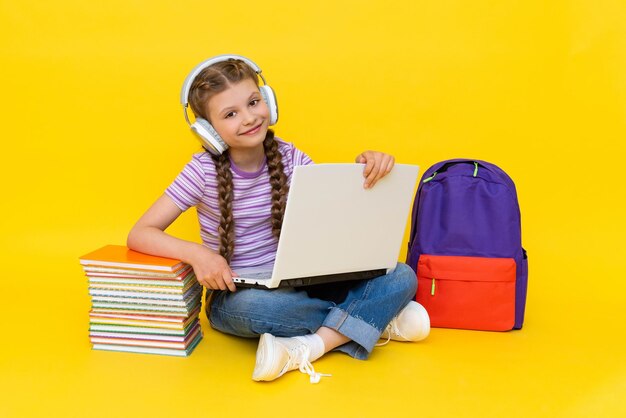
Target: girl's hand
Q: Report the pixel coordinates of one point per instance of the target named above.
(377, 166)
(212, 270)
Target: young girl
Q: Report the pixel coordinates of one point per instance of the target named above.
(240, 195)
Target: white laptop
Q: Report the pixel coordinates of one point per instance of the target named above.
(335, 230)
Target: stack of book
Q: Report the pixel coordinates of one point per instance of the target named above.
(142, 303)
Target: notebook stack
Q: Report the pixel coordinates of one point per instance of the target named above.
(142, 303)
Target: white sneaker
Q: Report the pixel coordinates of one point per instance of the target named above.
(411, 324)
(276, 356)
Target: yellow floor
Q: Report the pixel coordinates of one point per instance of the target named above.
(567, 361)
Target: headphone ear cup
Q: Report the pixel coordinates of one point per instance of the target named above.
(208, 136)
(270, 98)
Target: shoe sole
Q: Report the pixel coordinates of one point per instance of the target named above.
(266, 350)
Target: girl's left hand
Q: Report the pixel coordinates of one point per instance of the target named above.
(377, 166)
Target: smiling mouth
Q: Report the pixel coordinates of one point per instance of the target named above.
(253, 130)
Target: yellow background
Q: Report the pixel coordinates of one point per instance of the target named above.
(92, 132)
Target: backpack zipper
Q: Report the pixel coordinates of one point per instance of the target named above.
(430, 178)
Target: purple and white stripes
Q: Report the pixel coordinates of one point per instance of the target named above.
(196, 185)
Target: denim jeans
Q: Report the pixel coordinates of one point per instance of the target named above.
(288, 312)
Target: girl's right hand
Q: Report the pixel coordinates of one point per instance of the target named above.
(212, 270)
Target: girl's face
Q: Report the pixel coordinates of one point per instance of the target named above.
(240, 115)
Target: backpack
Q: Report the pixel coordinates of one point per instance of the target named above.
(465, 247)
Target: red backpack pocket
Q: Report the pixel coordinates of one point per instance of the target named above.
(467, 292)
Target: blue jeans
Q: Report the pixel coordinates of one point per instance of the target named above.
(287, 312)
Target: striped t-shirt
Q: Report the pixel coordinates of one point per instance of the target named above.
(196, 185)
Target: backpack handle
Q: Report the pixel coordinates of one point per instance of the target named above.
(447, 165)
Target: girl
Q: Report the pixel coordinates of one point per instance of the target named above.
(240, 195)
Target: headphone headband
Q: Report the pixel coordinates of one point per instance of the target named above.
(184, 93)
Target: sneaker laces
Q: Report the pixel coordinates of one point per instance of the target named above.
(388, 330)
(299, 358)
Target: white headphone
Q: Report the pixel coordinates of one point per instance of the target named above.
(208, 136)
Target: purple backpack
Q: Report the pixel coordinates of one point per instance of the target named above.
(465, 246)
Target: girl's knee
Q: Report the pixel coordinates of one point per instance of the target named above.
(268, 304)
(248, 299)
(404, 269)
(251, 312)
(405, 279)
(244, 313)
